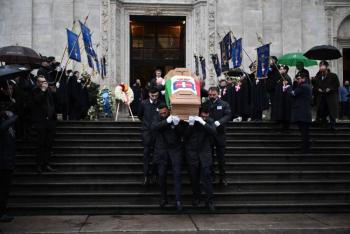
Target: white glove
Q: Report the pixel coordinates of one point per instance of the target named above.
(176, 120)
(200, 120)
(58, 85)
(163, 92)
(79, 80)
(191, 120)
(169, 119)
(217, 123)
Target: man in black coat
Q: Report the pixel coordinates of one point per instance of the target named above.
(44, 121)
(7, 160)
(301, 108)
(147, 111)
(220, 112)
(260, 100)
(168, 149)
(74, 88)
(273, 77)
(199, 141)
(327, 85)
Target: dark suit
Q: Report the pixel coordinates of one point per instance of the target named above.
(7, 158)
(146, 114)
(301, 111)
(168, 148)
(199, 143)
(220, 111)
(44, 121)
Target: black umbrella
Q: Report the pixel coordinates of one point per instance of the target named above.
(19, 55)
(11, 71)
(234, 72)
(323, 52)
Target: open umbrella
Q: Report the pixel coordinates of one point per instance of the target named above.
(323, 52)
(11, 71)
(19, 55)
(291, 59)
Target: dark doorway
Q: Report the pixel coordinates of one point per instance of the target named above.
(346, 64)
(156, 42)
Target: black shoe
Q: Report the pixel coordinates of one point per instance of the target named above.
(163, 203)
(146, 181)
(210, 206)
(179, 206)
(196, 202)
(223, 182)
(6, 218)
(48, 168)
(39, 169)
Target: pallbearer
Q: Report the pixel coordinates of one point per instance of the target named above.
(199, 140)
(148, 110)
(168, 149)
(220, 112)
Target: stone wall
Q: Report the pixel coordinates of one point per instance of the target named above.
(290, 25)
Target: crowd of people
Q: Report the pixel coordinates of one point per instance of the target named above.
(242, 98)
(29, 107)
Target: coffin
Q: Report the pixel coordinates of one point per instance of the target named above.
(182, 92)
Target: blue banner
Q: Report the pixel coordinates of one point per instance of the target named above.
(224, 61)
(228, 43)
(237, 53)
(263, 60)
(85, 31)
(73, 46)
(204, 70)
(216, 63)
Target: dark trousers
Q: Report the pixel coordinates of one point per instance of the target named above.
(220, 157)
(5, 185)
(45, 137)
(324, 112)
(304, 129)
(200, 174)
(148, 147)
(175, 161)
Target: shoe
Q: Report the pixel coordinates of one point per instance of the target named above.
(163, 203)
(48, 168)
(39, 169)
(210, 206)
(146, 181)
(6, 218)
(179, 206)
(223, 182)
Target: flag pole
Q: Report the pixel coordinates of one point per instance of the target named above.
(86, 18)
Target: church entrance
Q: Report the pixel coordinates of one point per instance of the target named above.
(156, 42)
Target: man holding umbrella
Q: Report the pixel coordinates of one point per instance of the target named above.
(327, 85)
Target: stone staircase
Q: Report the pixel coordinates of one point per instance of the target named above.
(100, 172)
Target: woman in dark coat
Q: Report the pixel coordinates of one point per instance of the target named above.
(7, 160)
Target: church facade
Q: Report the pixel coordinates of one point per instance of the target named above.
(124, 30)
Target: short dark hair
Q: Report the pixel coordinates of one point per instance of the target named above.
(213, 88)
(324, 62)
(205, 108)
(285, 67)
(162, 105)
(302, 75)
(153, 89)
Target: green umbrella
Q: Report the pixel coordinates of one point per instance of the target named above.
(291, 59)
